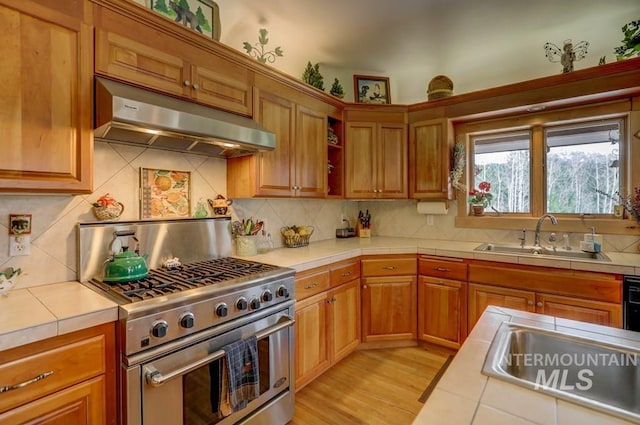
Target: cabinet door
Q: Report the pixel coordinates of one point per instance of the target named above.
(45, 107)
(310, 154)
(81, 404)
(312, 354)
(389, 308)
(429, 163)
(276, 171)
(392, 161)
(598, 312)
(222, 85)
(360, 158)
(482, 296)
(141, 63)
(344, 335)
(442, 311)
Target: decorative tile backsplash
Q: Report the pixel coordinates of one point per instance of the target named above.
(117, 172)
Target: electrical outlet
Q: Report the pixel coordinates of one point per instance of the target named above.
(429, 219)
(19, 245)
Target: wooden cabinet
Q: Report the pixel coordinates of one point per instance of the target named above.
(147, 56)
(45, 112)
(376, 160)
(442, 301)
(585, 296)
(327, 318)
(389, 298)
(430, 145)
(298, 165)
(335, 159)
(70, 379)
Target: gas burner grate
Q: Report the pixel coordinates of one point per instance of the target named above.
(164, 281)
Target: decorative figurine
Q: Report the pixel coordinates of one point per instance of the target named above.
(258, 50)
(567, 55)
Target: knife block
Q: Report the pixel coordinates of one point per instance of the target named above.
(362, 231)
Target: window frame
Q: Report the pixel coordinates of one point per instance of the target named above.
(537, 123)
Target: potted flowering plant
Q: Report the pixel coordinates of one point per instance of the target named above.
(479, 198)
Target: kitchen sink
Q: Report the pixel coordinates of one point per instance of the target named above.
(590, 372)
(532, 250)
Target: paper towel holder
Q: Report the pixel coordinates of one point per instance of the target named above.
(428, 207)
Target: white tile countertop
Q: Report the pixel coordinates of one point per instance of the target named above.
(331, 250)
(464, 396)
(35, 313)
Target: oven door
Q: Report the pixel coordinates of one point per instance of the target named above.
(182, 388)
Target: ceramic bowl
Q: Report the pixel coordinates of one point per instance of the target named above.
(8, 279)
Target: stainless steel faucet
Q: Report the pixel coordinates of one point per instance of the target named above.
(554, 221)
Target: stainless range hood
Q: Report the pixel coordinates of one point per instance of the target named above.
(133, 116)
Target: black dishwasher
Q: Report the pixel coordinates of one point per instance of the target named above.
(631, 302)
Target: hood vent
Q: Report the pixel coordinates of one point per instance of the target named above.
(133, 116)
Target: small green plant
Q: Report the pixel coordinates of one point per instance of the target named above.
(336, 89)
(313, 77)
(258, 50)
(631, 42)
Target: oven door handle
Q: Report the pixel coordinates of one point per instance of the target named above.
(155, 378)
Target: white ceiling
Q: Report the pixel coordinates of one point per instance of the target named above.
(477, 43)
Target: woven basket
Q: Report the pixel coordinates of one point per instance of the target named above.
(108, 213)
(297, 240)
(439, 87)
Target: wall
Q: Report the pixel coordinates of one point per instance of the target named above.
(53, 249)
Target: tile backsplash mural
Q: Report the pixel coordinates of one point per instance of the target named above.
(117, 172)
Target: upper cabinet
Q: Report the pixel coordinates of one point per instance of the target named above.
(141, 54)
(45, 114)
(298, 165)
(376, 157)
(430, 144)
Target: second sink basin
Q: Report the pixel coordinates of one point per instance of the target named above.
(593, 373)
(531, 250)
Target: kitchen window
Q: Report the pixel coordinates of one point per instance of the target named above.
(571, 163)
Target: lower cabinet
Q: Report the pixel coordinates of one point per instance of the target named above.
(442, 305)
(69, 379)
(327, 320)
(597, 312)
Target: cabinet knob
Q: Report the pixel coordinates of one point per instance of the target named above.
(529, 302)
(196, 86)
(187, 83)
(311, 285)
(539, 304)
(389, 267)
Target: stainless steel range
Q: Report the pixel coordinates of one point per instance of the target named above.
(175, 322)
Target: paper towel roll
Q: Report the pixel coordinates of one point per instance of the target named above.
(439, 208)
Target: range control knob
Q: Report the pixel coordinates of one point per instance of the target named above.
(255, 304)
(267, 296)
(159, 328)
(187, 320)
(221, 310)
(283, 292)
(241, 304)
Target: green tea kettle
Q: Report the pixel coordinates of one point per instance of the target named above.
(125, 266)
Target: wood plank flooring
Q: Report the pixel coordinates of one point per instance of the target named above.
(370, 387)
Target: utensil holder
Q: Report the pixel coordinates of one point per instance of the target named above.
(246, 246)
(363, 232)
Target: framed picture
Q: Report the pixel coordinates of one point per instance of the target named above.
(164, 193)
(369, 89)
(199, 15)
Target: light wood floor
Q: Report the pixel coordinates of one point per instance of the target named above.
(370, 387)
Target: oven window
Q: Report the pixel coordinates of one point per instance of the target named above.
(201, 389)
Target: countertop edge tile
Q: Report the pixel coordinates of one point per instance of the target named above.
(28, 335)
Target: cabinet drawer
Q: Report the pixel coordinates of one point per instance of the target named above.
(389, 266)
(447, 269)
(345, 273)
(68, 364)
(308, 284)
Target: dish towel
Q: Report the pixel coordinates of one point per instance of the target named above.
(239, 377)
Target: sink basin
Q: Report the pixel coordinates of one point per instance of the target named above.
(531, 250)
(593, 373)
